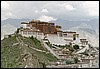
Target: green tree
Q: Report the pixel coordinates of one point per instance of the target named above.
(76, 60)
(75, 47)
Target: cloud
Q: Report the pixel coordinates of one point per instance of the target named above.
(67, 10)
(36, 11)
(44, 11)
(46, 18)
(4, 5)
(6, 15)
(69, 7)
(5, 10)
(92, 8)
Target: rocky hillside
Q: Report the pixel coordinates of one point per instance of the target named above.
(23, 52)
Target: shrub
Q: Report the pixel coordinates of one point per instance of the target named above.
(69, 62)
(70, 48)
(76, 60)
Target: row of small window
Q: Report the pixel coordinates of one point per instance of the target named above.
(25, 32)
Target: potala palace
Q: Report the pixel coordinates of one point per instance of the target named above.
(50, 32)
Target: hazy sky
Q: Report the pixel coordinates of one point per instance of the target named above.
(50, 10)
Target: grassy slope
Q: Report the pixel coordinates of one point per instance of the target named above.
(12, 56)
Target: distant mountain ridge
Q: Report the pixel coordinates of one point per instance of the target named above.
(14, 22)
(88, 33)
(67, 24)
